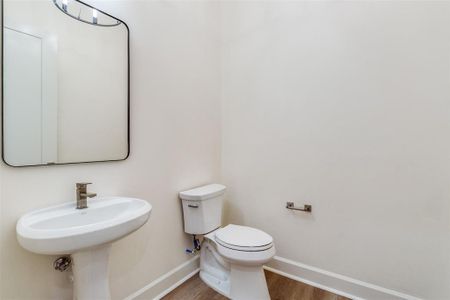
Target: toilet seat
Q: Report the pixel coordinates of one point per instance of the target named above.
(243, 238)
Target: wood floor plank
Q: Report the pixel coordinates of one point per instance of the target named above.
(194, 289)
(280, 288)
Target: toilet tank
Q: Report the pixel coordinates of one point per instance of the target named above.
(202, 208)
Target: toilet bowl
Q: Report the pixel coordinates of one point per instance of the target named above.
(231, 257)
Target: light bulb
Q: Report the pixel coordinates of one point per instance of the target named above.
(64, 4)
(94, 16)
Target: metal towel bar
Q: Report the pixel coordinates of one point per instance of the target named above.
(306, 207)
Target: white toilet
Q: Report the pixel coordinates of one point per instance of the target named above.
(231, 257)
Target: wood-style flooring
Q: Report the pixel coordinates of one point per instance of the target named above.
(280, 288)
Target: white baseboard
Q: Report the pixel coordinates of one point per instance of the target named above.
(163, 285)
(332, 282)
(329, 281)
(176, 284)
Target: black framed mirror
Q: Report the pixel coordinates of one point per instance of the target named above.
(65, 84)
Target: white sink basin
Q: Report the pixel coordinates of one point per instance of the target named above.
(63, 229)
(85, 234)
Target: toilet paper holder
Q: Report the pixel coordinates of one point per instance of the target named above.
(306, 207)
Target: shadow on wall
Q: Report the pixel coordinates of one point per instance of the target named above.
(232, 213)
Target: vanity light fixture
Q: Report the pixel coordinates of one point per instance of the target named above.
(83, 15)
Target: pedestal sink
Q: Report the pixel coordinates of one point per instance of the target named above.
(85, 234)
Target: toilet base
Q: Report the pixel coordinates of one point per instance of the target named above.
(220, 286)
(235, 281)
(214, 271)
(248, 283)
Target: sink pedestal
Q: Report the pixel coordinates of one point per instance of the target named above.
(90, 272)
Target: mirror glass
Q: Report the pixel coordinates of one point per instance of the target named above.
(65, 83)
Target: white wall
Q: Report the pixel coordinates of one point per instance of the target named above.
(175, 138)
(343, 105)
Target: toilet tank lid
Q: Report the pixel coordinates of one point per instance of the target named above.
(203, 192)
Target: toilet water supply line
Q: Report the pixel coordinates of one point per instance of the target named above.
(197, 246)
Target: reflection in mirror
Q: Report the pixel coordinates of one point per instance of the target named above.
(65, 83)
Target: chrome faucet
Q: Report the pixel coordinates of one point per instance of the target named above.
(82, 195)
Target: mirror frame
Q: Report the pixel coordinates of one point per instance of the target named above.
(128, 96)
